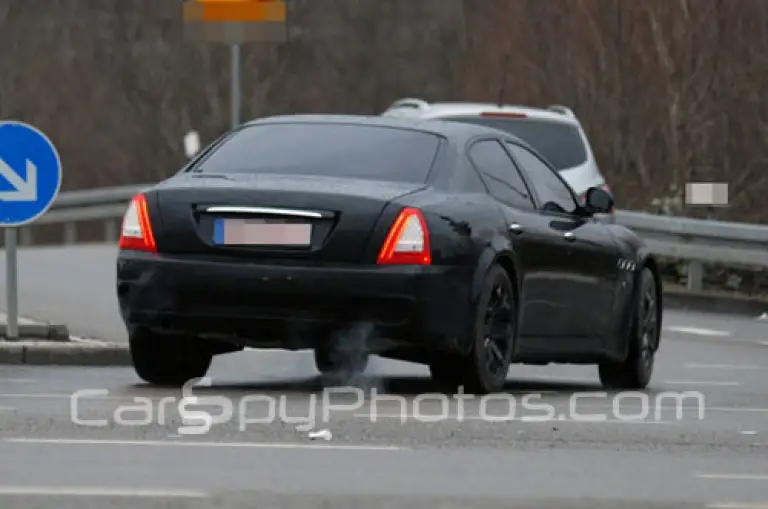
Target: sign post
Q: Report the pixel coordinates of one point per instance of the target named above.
(235, 85)
(235, 22)
(11, 284)
(30, 179)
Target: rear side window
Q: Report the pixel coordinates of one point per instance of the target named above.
(504, 181)
(553, 192)
(561, 144)
(326, 149)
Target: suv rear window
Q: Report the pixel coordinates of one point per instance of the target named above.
(326, 149)
(559, 143)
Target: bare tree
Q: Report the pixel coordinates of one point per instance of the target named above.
(669, 90)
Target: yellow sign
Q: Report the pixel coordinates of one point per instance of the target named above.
(235, 21)
(239, 11)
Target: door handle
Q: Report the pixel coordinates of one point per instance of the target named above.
(516, 228)
(569, 236)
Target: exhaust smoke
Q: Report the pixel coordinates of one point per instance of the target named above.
(350, 349)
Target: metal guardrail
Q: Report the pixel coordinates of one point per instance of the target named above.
(695, 241)
(106, 204)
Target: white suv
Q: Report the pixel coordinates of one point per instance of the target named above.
(555, 133)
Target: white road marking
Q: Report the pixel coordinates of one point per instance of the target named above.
(698, 332)
(425, 418)
(701, 384)
(735, 410)
(234, 445)
(557, 378)
(733, 477)
(54, 491)
(500, 419)
(40, 396)
(747, 432)
(720, 366)
(689, 408)
(16, 381)
(764, 343)
(85, 397)
(381, 411)
(737, 506)
(6, 409)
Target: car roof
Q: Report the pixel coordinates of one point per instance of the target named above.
(457, 131)
(423, 109)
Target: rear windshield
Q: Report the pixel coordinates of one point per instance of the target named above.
(333, 150)
(559, 143)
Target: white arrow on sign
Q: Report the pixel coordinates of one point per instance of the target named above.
(25, 190)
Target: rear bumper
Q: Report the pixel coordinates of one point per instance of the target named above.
(294, 307)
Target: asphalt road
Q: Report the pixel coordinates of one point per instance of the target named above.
(391, 447)
(554, 440)
(71, 285)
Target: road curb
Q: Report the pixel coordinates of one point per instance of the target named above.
(79, 352)
(49, 331)
(714, 302)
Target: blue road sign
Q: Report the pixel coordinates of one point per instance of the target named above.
(30, 173)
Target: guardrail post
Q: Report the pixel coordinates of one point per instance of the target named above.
(695, 275)
(70, 233)
(110, 230)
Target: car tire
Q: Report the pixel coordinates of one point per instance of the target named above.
(448, 372)
(485, 369)
(636, 370)
(168, 361)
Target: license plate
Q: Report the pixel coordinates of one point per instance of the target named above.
(253, 232)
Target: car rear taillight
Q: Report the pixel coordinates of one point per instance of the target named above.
(136, 234)
(407, 242)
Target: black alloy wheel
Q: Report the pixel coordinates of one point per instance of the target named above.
(485, 369)
(636, 370)
(497, 329)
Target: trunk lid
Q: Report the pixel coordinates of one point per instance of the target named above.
(199, 212)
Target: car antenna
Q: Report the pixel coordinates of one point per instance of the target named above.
(503, 89)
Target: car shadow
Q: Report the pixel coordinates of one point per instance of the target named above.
(395, 385)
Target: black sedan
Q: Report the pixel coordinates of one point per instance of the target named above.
(447, 244)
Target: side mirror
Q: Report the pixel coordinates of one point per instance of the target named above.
(598, 201)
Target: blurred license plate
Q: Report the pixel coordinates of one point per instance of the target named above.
(245, 232)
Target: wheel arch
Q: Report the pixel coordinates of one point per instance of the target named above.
(507, 263)
(502, 255)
